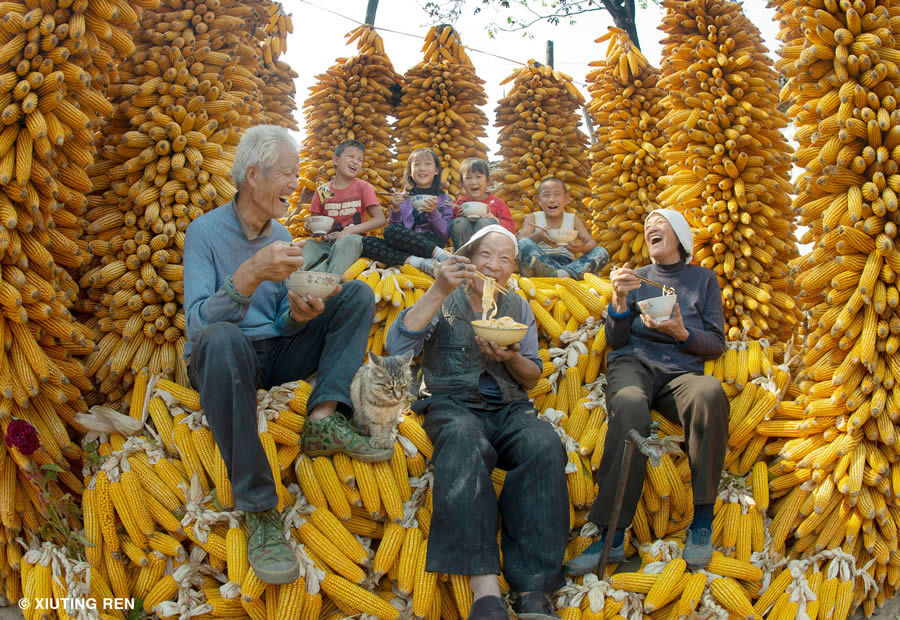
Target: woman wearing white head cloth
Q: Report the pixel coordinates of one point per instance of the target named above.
(658, 364)
(478, 416)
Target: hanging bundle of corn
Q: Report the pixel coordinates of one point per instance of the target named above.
(728, 161)
(625, 161)
(55, 64)
(277, 76)
(278, 94)
(186, 95)
(838, 477)
(539, 137)
(350, 101)
(439, 109)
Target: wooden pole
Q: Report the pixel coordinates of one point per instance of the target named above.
(588, 123)
(370, 12)
(550, 53)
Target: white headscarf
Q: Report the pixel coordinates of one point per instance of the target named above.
(493, 228)
(681, 227)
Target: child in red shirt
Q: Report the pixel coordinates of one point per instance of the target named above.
(476, 176)
(348, 200)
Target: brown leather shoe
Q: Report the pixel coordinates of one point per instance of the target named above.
(488, 608)
(533, 606)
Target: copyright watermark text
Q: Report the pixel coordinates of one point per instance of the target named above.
(76, 604)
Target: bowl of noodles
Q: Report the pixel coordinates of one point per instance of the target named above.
(562, 236)
(503, 330)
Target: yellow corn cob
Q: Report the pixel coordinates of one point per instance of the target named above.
(290, 598)
(729, 594)
(387, 489)
(328, 482)
(730, 567)
(166, 544)
(330, 554)
(236, 549)
(368, 486)
(407, 561)
(760, 481)
(189, 398)
(354, 597)
(663, 590)
(335, 531)
(413, 431)
(424, 589)
(309, 483)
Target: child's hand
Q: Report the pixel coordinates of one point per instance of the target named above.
(336, 236)
(430, 204)
(540, 235)
(397, 199)
(577, 246)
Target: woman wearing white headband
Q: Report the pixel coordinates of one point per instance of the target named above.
(658, 364)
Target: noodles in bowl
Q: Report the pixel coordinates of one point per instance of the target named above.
(503, 330)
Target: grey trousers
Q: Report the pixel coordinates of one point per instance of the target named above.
(462, 229)
(468, 443)
(227, 368)
(341, 253)
(697, 402)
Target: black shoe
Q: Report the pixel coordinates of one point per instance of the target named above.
(488, 608)
(589, 559)
(533, 606)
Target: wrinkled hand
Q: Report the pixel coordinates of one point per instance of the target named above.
(495, 352)
(453, 272)
(278, 260)
(308, 307)
(430, 204)
(673, 326)
(397, 199)
(623, 280)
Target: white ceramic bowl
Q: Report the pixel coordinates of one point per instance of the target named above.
(659, 308)
(558, 235)
(319, 224)
(504, 336)
(474, 210)
(315, 283)
(418, 202)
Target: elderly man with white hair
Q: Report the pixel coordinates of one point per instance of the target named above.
(248, 331)
(478, 417)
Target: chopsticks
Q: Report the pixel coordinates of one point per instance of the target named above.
(497, 285)
(651, 282)
(662, 286)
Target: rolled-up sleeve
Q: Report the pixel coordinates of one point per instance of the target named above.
(401, 339)
(528, 346)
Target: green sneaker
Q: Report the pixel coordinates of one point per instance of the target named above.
(271, 557)
(334, 434)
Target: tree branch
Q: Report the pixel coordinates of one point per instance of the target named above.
(552, 18)
(622, 12)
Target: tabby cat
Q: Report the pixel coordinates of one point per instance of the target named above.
(380, 393)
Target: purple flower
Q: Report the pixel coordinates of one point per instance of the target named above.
(22, 436)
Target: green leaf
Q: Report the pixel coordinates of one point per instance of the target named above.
(138, 611)
(80, 538)
(53, 467)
